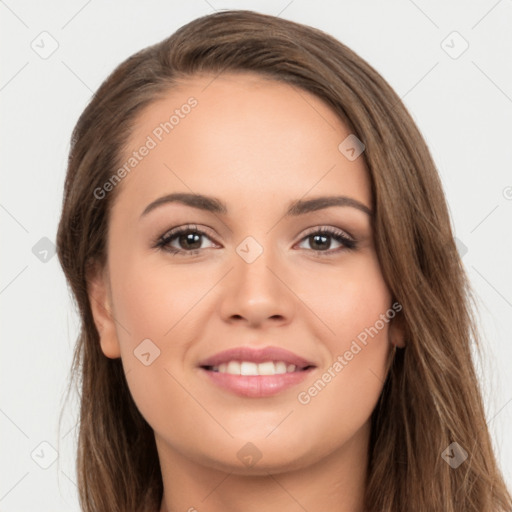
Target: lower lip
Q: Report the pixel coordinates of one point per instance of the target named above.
(257, 386)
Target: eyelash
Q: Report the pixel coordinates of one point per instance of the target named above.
(163, 242)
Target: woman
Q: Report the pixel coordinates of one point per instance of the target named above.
(315, 353)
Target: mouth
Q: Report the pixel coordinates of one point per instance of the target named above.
(256, 373)
(249, 368)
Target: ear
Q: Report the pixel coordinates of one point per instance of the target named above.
(397, 330)
(98, 290)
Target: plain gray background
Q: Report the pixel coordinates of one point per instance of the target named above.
(461, 99)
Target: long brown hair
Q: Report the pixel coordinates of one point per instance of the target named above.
(431, 397)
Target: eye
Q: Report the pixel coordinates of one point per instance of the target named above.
(189, 240)
(320, 240)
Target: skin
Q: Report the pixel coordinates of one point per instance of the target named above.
(257, 145)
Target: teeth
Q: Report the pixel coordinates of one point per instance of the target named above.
(249, 368)
(267, 368)
(233, 368)
(280, 367)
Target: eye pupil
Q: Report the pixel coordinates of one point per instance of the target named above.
(190, 239)
(324, 244)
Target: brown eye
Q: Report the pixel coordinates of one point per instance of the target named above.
(188, 239)
(321, 240)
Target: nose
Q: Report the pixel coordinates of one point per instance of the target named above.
(257, 293)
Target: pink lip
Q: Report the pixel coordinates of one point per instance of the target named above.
(256, 356)
(257, 386)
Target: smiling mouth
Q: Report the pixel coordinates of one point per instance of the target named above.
(249, 368)
(256, 373)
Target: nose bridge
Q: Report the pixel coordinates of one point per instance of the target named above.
(255, 258)
(255, 292)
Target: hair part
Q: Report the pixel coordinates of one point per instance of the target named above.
(431, 396)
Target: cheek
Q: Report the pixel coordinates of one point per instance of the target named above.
(155, 313)
(357, 345)
(154, 301)
(351, 301)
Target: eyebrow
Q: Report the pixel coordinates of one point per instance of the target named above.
(214, 205)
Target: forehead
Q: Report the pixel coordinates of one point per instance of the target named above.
(241, 134)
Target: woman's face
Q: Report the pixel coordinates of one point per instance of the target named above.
(258, 280)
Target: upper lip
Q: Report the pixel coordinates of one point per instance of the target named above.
(256, 356)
